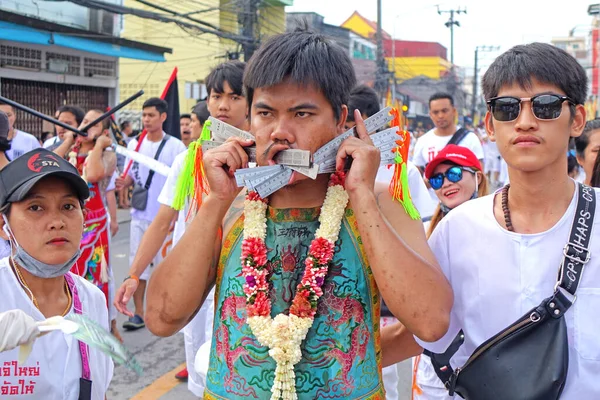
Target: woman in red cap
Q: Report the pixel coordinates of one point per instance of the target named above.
(456, 176)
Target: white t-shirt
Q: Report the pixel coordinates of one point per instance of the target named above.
(418, 191)
(167, 196)
(21, 143)
(51, 142)
(430, 144)
(53, 369)
(139, 172)
(497, 276)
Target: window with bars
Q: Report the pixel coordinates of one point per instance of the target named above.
(97, 67)
(20, 57)
(63, 63)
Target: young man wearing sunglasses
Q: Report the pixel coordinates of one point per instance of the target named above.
(536, 94)
(525, 234)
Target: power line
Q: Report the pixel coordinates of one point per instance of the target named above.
(159, 17)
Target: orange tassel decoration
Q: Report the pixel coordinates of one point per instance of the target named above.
(192, 183)
(399, 188)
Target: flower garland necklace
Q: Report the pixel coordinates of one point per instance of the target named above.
(284, 334)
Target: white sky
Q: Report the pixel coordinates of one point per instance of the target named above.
(487, 23)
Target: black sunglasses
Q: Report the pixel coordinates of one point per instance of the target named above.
(544, 106)
(453, 174)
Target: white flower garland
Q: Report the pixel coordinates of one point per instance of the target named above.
(283, 335)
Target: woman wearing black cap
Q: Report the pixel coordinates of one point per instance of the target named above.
(41, 197)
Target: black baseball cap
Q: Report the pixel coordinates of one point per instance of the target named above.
(20, 175)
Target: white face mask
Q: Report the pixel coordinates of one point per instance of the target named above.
(35, 266)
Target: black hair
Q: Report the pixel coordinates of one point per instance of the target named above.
(231, 72)
(201, 112)
(364, 99)
(125, 124)
(182, 116)
(77, 112)
(161, 105)
(305, 58)
(6, 104)
(540, 61)
(441, 96)
(583, 140)
(595, 180)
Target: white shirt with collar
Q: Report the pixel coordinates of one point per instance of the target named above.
(497, 276)
(22, 143)
(53, 369)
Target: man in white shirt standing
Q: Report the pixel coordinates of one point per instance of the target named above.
(517, 237)
(443, 114)
(21, 142)
(227, 103)
(154, 113)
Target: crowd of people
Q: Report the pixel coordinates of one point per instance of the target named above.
(319, 289)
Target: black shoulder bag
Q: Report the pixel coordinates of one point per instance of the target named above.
(529, 360)
(458, 136)
(139, 196)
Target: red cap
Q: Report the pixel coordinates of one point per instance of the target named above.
(456, 155)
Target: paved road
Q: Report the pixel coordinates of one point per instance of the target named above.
(159, 356)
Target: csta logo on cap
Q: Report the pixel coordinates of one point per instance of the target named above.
(36, 164)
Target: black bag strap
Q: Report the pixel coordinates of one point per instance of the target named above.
(151, 172)
(458, 136)
(576, 253)
(441, 362)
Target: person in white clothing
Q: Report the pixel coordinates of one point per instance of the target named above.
(149, 185)
(41, 205)
(21, 142)
(518, 236)
(443, 114)
(492, 160)
(225, 99)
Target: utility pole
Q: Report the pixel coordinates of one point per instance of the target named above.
(476, 74)
(450, 24)
(380, 78)
(247, 19)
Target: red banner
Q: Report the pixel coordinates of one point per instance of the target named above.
(172, 79)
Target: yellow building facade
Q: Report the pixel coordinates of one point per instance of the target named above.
(409, 67)
(411, 59)
(194, 53)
